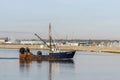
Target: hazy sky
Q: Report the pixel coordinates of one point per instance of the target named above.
(83, 19)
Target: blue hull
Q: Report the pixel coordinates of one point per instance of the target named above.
(69, 54)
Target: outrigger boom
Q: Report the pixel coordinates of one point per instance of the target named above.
(42, 40)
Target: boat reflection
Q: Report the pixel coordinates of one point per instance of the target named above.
(24, 65)
(69, 61)
(25, 61)
(50, 67)
(56, 65)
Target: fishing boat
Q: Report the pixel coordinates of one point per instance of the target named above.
(53, 49)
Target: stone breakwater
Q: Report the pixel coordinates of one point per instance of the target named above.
(82, 48)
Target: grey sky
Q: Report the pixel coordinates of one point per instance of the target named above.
(83, 19)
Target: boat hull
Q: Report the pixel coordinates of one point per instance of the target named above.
(69, 54)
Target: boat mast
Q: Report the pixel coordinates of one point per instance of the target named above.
(50, 36)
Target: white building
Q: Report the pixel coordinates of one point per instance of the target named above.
(3, 40)
(30, 42)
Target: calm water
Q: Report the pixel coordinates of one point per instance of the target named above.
(85, 66)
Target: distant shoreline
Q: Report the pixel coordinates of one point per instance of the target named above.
(78, 48)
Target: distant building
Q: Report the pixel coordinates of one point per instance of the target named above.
(83, 44)
(71, 43)
(3, 40)
(30, 42)
(115, 43)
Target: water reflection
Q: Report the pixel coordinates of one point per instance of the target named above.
(51, 68)
(70, 61)
(54, 66)
(24, 65)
